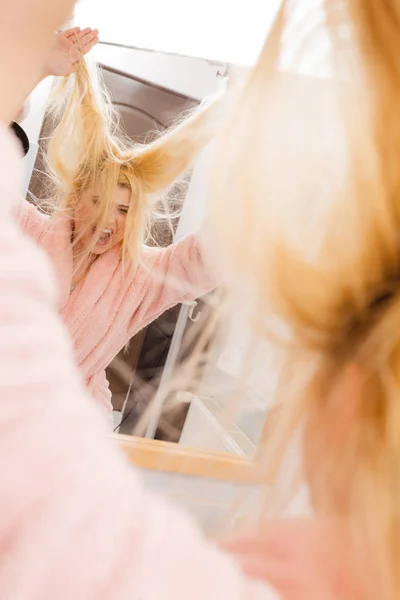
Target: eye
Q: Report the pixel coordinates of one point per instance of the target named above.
(123, 210)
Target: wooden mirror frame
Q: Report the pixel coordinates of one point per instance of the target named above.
(167, 457)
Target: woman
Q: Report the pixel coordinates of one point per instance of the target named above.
(112, 285)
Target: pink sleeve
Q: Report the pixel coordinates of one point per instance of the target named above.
(32, 221)
(75, 522)
(99, 388)
(177, 273)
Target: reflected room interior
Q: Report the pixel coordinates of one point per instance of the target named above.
(150, 90)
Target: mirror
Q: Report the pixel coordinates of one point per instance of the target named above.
(149, 89)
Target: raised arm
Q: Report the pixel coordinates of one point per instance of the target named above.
(65, 52)
(178, 273)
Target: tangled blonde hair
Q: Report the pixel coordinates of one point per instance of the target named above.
(335, 285)
(87, 147)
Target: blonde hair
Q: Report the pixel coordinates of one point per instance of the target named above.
(88, 147)
(340, 299)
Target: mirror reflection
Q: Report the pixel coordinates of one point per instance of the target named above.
(115, 184)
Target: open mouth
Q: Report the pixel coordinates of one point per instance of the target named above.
(105, 238)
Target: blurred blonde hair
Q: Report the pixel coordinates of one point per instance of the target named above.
(339, 299)
(87, 148)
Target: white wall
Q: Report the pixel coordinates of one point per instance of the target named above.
(32, 123)
(195, 202)
(215, 29)
(37, 105)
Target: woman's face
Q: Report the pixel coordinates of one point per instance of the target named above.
(86, 232)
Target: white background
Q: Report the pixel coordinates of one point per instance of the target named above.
(223, 30)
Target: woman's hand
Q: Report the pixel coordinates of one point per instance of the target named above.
(67, 48)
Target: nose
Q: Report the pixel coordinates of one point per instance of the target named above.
(111, 222)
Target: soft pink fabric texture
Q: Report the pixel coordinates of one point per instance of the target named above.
(110, 306)
(75, 522)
